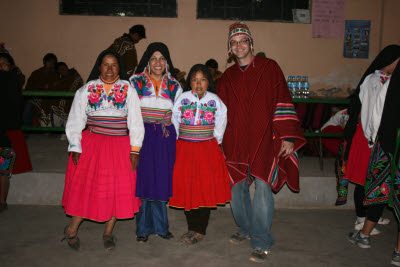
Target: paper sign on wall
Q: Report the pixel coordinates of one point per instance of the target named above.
(328, 19)
(356, 38)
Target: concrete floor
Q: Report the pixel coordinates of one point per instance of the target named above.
(30, 236)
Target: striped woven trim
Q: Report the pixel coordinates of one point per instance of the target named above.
(196, 133)
(273, 175)
(158, 116)
(285, 111)
(115, 126)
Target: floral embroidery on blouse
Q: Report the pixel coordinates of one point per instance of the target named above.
(168, 89)
(206, 112)
(98, 99)
(95, 96)
(384, 77)
(118, 95)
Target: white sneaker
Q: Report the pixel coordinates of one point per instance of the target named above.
(358, 226)
(383, 221)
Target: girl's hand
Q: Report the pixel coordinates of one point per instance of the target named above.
(75, 157)
(134, 161)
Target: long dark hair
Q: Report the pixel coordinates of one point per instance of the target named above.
(154, 47)
(206, 72)
(95, 73)
(386, 57)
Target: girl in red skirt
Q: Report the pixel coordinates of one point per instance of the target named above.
(200, 178)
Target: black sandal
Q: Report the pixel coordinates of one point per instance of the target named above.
(75, 245)
(109, 242)
(185, 238)
(193, 238)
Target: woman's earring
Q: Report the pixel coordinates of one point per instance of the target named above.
(148, 68)
(167, 67)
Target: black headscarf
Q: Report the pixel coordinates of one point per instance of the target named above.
(154, 47)
(95, 73)
(390, 122)
(386, 57)
(206, 72)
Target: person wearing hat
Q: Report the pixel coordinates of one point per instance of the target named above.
(260, 141)
(125, 47)
(157, 87)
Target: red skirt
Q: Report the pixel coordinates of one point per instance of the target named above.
(200, 178)
(359, 154)
(23, 161)
(102, 184)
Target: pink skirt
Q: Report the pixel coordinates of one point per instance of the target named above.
(359, 154)
(102, 184)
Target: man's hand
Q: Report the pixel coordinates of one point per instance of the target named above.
(134, 161)
(75, 157)
(286, 149)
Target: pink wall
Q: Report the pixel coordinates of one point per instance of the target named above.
(35, 28)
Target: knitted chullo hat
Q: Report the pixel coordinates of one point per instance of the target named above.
(238, 28)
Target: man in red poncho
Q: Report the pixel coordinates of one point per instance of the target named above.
(260, 141)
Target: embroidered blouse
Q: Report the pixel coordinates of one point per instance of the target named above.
(209, 110)
(169, 91)
(372, 96)
(92, 100)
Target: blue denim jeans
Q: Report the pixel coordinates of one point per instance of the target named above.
(152, 218)
(255, 220)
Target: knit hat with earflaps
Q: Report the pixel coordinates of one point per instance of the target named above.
(235, 29)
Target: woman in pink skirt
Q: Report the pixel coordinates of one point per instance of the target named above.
(105, 132)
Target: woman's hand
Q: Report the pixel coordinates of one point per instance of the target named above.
(134, 161)
(75, 157)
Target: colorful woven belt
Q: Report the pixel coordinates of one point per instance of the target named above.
(115, 126)
(196, 133)
(158, 116)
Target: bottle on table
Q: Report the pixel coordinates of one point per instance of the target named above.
(297, 88)
(305, 87)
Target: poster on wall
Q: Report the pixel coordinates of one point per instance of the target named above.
(328, 19)
(356, 38)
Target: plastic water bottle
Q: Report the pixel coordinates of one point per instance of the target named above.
(290, 84)
(305, 87)
(297, 88)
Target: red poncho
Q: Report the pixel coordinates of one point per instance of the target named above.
(260, 115)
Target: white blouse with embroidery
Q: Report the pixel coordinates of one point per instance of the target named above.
(372, 96)
(92, 100)
(170, 88)
(190, 110)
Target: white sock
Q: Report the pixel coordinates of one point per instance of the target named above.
(363, 236)
(360, 219)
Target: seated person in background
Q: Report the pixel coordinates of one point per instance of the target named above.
(125, 47)
(212, 65)
(261, 54)
(69, 81)
(180, 76)
(335, 124)
(7, 64)
(37, 111)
